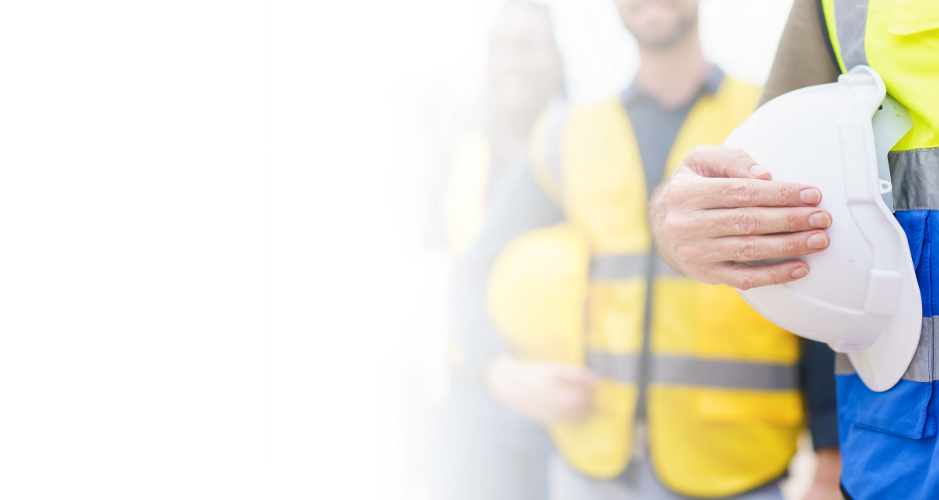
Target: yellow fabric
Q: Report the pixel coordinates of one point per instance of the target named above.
(705, 441)
(604, 183)
(901, 42)
(913, 16)
(615, 315)
(465, 199)
(907, 61)
(711, 445)
(602, 443)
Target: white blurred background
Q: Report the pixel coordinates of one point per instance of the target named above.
(440, 47)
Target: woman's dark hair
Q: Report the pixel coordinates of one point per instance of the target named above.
(545, 11)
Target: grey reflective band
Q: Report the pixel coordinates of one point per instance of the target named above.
(613, 267)
(619, 267)
(552, 154)
(921, 369)
(618, 367)
(915, 176)
(851, 24)
(728, 374)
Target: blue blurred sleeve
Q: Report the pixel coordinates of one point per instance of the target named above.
(518, 205)
(817, 375)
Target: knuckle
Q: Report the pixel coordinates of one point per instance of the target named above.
(743, 283)
(741, 193)
(745, 222)
(745, 249)
(783, 195)
(792, 221)
(792, 246)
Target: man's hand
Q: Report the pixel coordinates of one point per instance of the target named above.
(718, 210)
(545, 392)
(827, 484)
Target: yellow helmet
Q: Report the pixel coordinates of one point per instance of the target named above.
(536, 296)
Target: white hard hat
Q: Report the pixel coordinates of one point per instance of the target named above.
(861, 296)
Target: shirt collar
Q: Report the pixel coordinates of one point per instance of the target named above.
(712, 82)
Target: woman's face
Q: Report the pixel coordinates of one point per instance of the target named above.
(524, 69)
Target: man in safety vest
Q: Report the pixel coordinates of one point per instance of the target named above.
(652, 385)
(888, 439)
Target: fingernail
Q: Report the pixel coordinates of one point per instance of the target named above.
(817, 241)
(820, 220)
(757, 171)
(800, 272)
(810, 196)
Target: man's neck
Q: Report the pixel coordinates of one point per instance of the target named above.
(673, 76)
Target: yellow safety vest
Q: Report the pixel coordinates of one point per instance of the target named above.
(464, 204)
(724, 408)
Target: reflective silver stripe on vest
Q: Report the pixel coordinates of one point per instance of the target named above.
(923, 367)
(618, 267)
(626, 266)
(552, 154)
(729, 374)
(851, 24)
(915, 177)
(619, 367)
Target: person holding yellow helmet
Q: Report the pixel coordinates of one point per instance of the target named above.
(652, 385)
(888, 432)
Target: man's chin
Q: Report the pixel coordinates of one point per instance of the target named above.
(664, 39)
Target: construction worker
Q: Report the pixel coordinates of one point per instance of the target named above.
(652, 385)
(888, 439)
(479, 448)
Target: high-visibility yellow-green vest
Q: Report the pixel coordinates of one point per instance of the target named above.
(888, 439)
(724, 409)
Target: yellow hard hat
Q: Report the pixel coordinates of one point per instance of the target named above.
(537, 295)
(537, 291)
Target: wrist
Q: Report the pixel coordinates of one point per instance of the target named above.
(828, 471)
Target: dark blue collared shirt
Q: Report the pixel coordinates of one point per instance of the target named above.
(521, 205)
